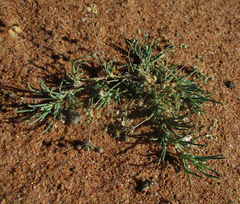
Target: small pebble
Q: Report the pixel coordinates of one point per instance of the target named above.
(230, 84)
(74, 116)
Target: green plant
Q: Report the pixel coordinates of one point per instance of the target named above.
(170, 96)
(55, 101)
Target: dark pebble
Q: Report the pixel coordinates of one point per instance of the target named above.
(230, 84)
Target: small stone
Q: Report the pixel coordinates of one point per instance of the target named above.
(14, 30)
(230, 84)
(74, 116)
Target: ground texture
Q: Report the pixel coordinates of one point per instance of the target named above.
(39, 39)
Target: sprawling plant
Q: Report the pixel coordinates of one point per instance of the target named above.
(171, 97)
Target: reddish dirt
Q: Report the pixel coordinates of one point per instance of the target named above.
(46, 168)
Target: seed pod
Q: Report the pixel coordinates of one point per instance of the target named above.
(139, 32)
(117, 133)
(99, 150)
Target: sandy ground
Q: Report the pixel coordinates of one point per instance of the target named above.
(48, 35)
